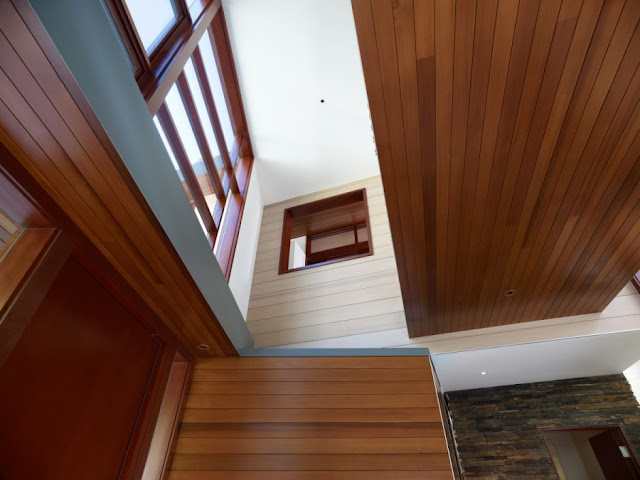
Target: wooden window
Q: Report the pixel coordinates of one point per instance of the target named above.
(326, 231)
(181, 58)
(635, 280)
(9, 232)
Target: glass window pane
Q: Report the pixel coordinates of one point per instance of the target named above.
(10, 230)
(179, 116)
(153, 19)
(181, 120)
(216, 88)
(198, 99)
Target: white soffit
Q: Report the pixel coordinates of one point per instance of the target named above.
(290, 55)
(538, 362)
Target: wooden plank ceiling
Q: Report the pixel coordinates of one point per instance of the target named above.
(507, 135)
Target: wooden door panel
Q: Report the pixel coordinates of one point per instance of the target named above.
(73, 385)
(615, 466)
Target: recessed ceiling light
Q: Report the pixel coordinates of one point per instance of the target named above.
(509, 293)
(483, 373)
(202, 346)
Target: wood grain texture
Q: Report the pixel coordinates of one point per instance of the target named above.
(82, 365)
(47, 125)
(505, 133)
(354, 296)
(242, 421)
(8, 229)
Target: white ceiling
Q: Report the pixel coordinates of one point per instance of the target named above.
(290, 54)
(537, 362)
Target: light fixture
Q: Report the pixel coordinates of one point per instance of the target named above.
(483, 373)
(509, 293)
(202, 346)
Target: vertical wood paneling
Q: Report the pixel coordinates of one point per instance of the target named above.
(520, 110)
(349, 418)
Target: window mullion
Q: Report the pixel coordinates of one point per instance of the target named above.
(203, 144)
(189, 175)
(205, 87)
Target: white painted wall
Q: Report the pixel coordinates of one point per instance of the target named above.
(289, 55)
(538, 362)
(247, 246)
(297, 252)
(633, 377)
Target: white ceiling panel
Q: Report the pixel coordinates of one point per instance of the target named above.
(290, 55)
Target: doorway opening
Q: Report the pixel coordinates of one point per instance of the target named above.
(591, 453)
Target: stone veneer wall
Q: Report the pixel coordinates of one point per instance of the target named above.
(497, 429)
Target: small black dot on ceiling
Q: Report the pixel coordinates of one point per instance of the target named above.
(322, 100)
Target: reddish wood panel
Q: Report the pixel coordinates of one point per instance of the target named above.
(507, 136)
(48, 128)
(74, 384)
(349, 418)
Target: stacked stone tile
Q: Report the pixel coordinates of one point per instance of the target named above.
(497, 429)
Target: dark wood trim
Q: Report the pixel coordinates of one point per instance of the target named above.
(368, 221)
(160, 453)
(164, 68)
(349, 252)
(129, 36)
(156, 70)
(155, 89)
(307, 250)
(205, 87)
(187, 170)
(635, 280)
(198, 130)
(231, 228)
(142, 437)
(230, 85)
(285, 243)
(173, 35)
(329, 262)
(619, 428)
(336, 230)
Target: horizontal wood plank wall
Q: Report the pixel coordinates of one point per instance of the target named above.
(346, 298)
(373, 418)
(622, 314)
(508, 134)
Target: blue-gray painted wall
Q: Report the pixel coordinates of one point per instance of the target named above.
(82, 32)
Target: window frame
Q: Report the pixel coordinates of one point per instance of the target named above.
(316, 207)
(158, 72)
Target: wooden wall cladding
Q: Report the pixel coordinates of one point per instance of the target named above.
(373, 418)
(47, 124)
(507, 135)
